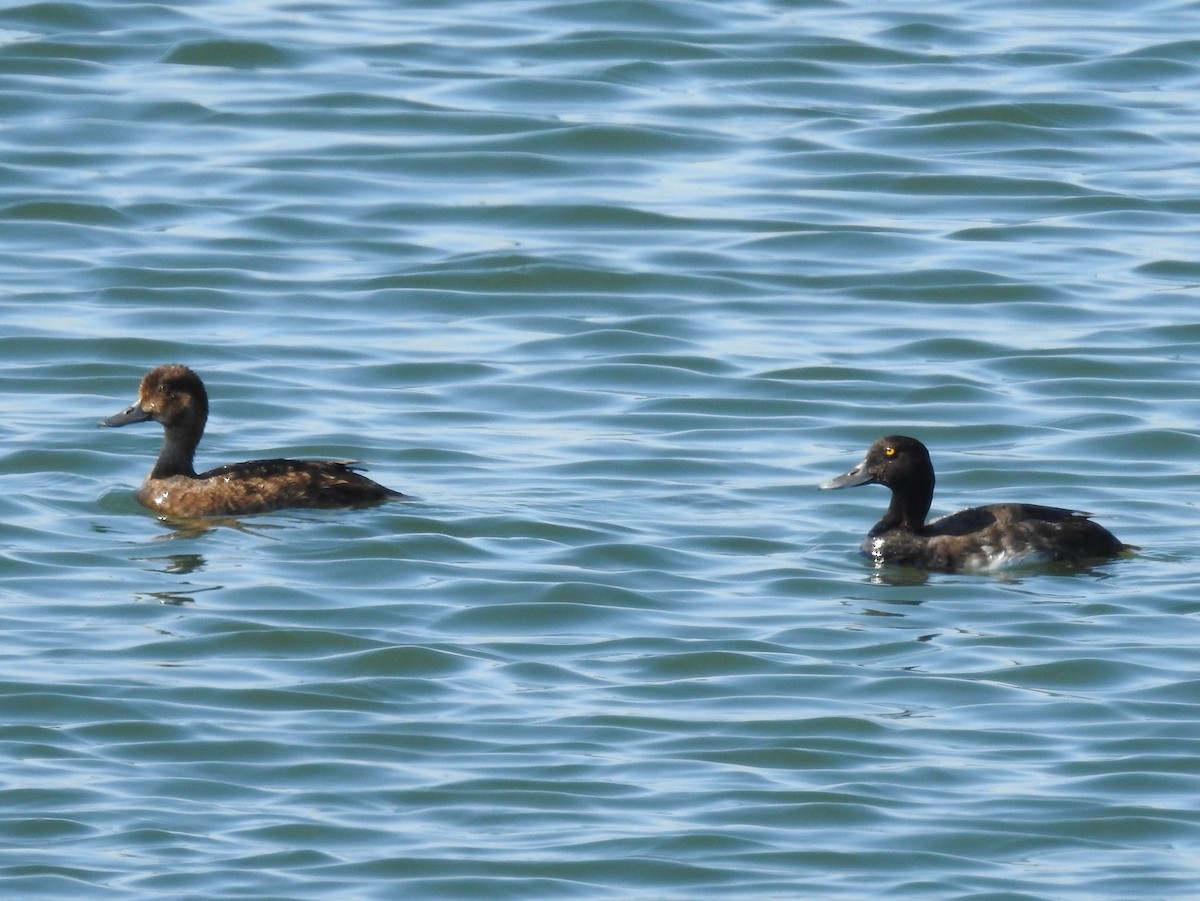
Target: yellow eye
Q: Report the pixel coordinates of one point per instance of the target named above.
(889, 451)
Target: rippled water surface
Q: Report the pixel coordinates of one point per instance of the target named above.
(609, 288)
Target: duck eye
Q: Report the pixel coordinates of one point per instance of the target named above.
(889, 452)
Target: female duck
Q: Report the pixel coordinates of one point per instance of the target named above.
(978, 538)
(174, 396)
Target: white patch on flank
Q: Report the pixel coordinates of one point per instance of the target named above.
(992, 559)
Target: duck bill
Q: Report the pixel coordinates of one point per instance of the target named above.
(857, 476)
(125, 417)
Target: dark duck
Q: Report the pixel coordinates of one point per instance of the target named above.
(174, 396)
(992, 537)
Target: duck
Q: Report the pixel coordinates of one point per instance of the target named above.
(174, 396)
(996, 536)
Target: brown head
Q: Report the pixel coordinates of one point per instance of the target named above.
(174, 396)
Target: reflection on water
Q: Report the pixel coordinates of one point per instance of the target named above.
(175, 563)
(183, 564)
(170, 598)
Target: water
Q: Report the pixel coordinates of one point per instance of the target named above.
(609, 288)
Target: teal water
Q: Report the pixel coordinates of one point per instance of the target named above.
(609, 288)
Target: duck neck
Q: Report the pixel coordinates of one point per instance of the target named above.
(908, 508)
(178, 451)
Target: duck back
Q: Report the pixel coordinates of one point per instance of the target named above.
(998, 536)
(261, 486)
